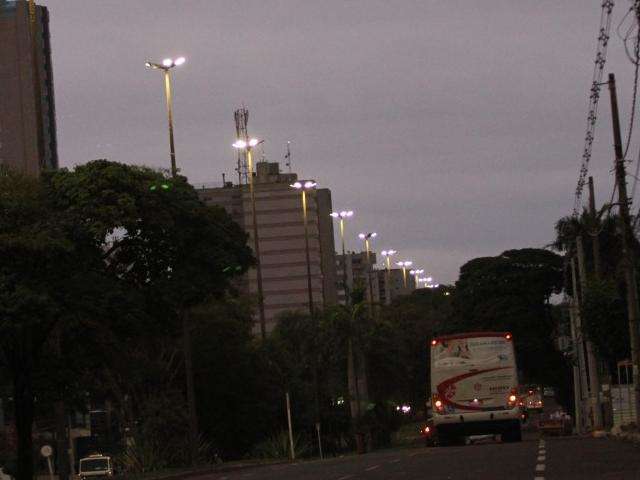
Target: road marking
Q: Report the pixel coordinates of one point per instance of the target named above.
(542, 451)
(371, 468)
(540, 467)
(538, 478)
(345, 477)
(397, 460)
(541, 458)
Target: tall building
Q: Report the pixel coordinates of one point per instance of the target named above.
(281, 239)
(27, 112)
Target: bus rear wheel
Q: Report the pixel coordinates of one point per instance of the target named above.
(513, 434)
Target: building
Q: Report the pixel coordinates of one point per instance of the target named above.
(357, 274)
(281, 239)
(27, 112)
(395, 286)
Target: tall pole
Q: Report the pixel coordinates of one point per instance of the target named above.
(595, 237)
(313, 319)
(404, 277)
(256, 245)
(627, 253)
(184, 313)
(592, 364)
(577, 388)
(347, 300)
(578, 339)
(370, 275)
(388, 281)
(172, 149)
(33, 14)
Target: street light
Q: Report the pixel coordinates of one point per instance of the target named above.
(248, 144)
(404, 265)
(304, 188)
(166, 65)
(387, 254)
(416, 274)
(366, 237)
(342, 215)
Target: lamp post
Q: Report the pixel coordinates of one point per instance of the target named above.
(416, 275)
(404, 265)
(387, 254)
(366, 237)
(304, 188)
(342, 215)
(166, 66)
(247, 145)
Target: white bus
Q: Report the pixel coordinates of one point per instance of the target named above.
(474, 387)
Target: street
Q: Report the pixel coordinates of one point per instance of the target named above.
(558, 458)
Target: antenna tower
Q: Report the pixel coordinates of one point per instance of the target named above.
(287, 157)
(242, 117)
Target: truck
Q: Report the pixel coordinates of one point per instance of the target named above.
(474, 387)
(95, 466)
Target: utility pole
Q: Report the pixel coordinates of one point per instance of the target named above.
(577, 387)
(592, 364)
(627, 254)
(578, 340)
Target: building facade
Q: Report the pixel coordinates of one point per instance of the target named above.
(395, 286)
(282, 240)
(358, 272)
(27, 108)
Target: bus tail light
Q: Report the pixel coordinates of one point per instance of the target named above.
(436, 402)
(513, 397)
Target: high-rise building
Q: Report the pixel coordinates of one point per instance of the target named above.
(27, 112)
(281, 239)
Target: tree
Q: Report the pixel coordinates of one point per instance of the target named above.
(510, 292)
(77, 246)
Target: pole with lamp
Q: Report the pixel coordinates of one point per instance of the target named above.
(416, 275)
(404, 265)
(247, 145)
(166, 66)
(366, 238)
(342, 215)
(304, 188)
(387, 254)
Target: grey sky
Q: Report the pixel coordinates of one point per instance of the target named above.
(453, 128)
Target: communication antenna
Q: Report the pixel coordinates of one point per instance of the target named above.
(287, 156)
(242, 117)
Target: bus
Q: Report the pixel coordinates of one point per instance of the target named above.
(474, 387)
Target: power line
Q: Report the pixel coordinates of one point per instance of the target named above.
(600, 60)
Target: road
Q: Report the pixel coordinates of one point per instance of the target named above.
(562, 458)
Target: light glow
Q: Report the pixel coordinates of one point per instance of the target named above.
(362, 236)
(253, 142)
(309, 184)
(167, 62)
(180, 60)
(240, 144)
(297, 185)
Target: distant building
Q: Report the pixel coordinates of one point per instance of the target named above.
(395, 286)
(281, 237)
(357, 270)
(25, 107)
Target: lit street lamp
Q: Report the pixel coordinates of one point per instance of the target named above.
(248, 144)
(342, 216)
(366, 237)
(166, 66)
(304, 188)
(387, 254)
(416, 274)
(404, 265)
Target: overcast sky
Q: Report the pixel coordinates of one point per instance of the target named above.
(453, 128)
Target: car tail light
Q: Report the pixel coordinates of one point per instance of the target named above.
(508, 336)
(434, 342)
(513, 397)
(437, 402)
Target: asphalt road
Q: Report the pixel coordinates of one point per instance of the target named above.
(559, 458)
